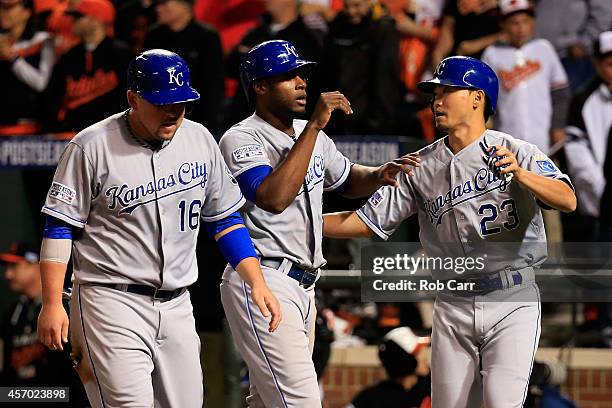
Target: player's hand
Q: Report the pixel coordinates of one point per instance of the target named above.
(267, 304)
(327, 103)
(53, 326)
(507, 163)
(387, 173)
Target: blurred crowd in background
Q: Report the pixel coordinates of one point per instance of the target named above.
(63, 66)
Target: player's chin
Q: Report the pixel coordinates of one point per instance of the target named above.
(299, 109)
(166, 132)
(441, 127)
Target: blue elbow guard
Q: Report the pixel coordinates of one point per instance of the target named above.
(236, 245)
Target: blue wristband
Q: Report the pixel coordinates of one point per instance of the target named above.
(236, 245)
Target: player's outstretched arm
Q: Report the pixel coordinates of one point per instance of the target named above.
(346, 224)
(52, 324)
(554, 193)
(364, 181)
(236, 245)
(279, 189)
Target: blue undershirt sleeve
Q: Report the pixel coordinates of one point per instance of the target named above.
(251, 179)
(57, 229)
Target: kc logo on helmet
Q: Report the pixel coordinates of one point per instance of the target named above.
(290, 50)
(439, 69)
(174, 77)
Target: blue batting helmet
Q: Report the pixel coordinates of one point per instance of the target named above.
(161, 77)
(268, 59)
(464, 72)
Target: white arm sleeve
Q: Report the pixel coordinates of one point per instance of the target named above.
(56, 250)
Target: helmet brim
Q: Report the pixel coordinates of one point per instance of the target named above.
(169, 97)
(429, 85)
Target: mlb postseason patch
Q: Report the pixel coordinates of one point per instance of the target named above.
(62, 192)
(546, 166)
(248, 152)
(376, 199)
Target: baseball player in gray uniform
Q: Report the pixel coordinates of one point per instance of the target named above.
(127, 198)
(472, 187)
(283, 165)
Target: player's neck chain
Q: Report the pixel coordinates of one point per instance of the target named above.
(139, 140)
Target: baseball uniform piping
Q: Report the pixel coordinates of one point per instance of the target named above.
(342, 179)
(233, 208)
(93, 367)
(246, 301)
(364, 217)
(67, 218)
(535, 346)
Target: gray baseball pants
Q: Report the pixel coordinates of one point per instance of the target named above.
(281, 371)
(135, 351)
(483, 347)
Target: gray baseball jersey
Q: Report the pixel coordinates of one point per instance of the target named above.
(281, 371)
(254, 142)
(489, 340)
(139, 211)
(461, 203)
(527, 76)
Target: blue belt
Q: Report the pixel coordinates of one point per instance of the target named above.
(493, 282)
(305, 277)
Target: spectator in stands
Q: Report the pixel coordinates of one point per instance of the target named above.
(534, 94)
(282, 21)
(589, 161)
(405, 359)
(88, 81)
(232, 18)
(418, 22)
(317, 14)
(588, 148)
(26, 362)
(603, 65)
(26, 62)
(55, 20)
(134, 20)
(327, 9)
(362, 61)
(572, 26)
(468, 27)
(201, 47)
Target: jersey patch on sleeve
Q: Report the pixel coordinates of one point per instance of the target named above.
(376, 199)
(247, 152)
(62, 193)
(546, 166)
